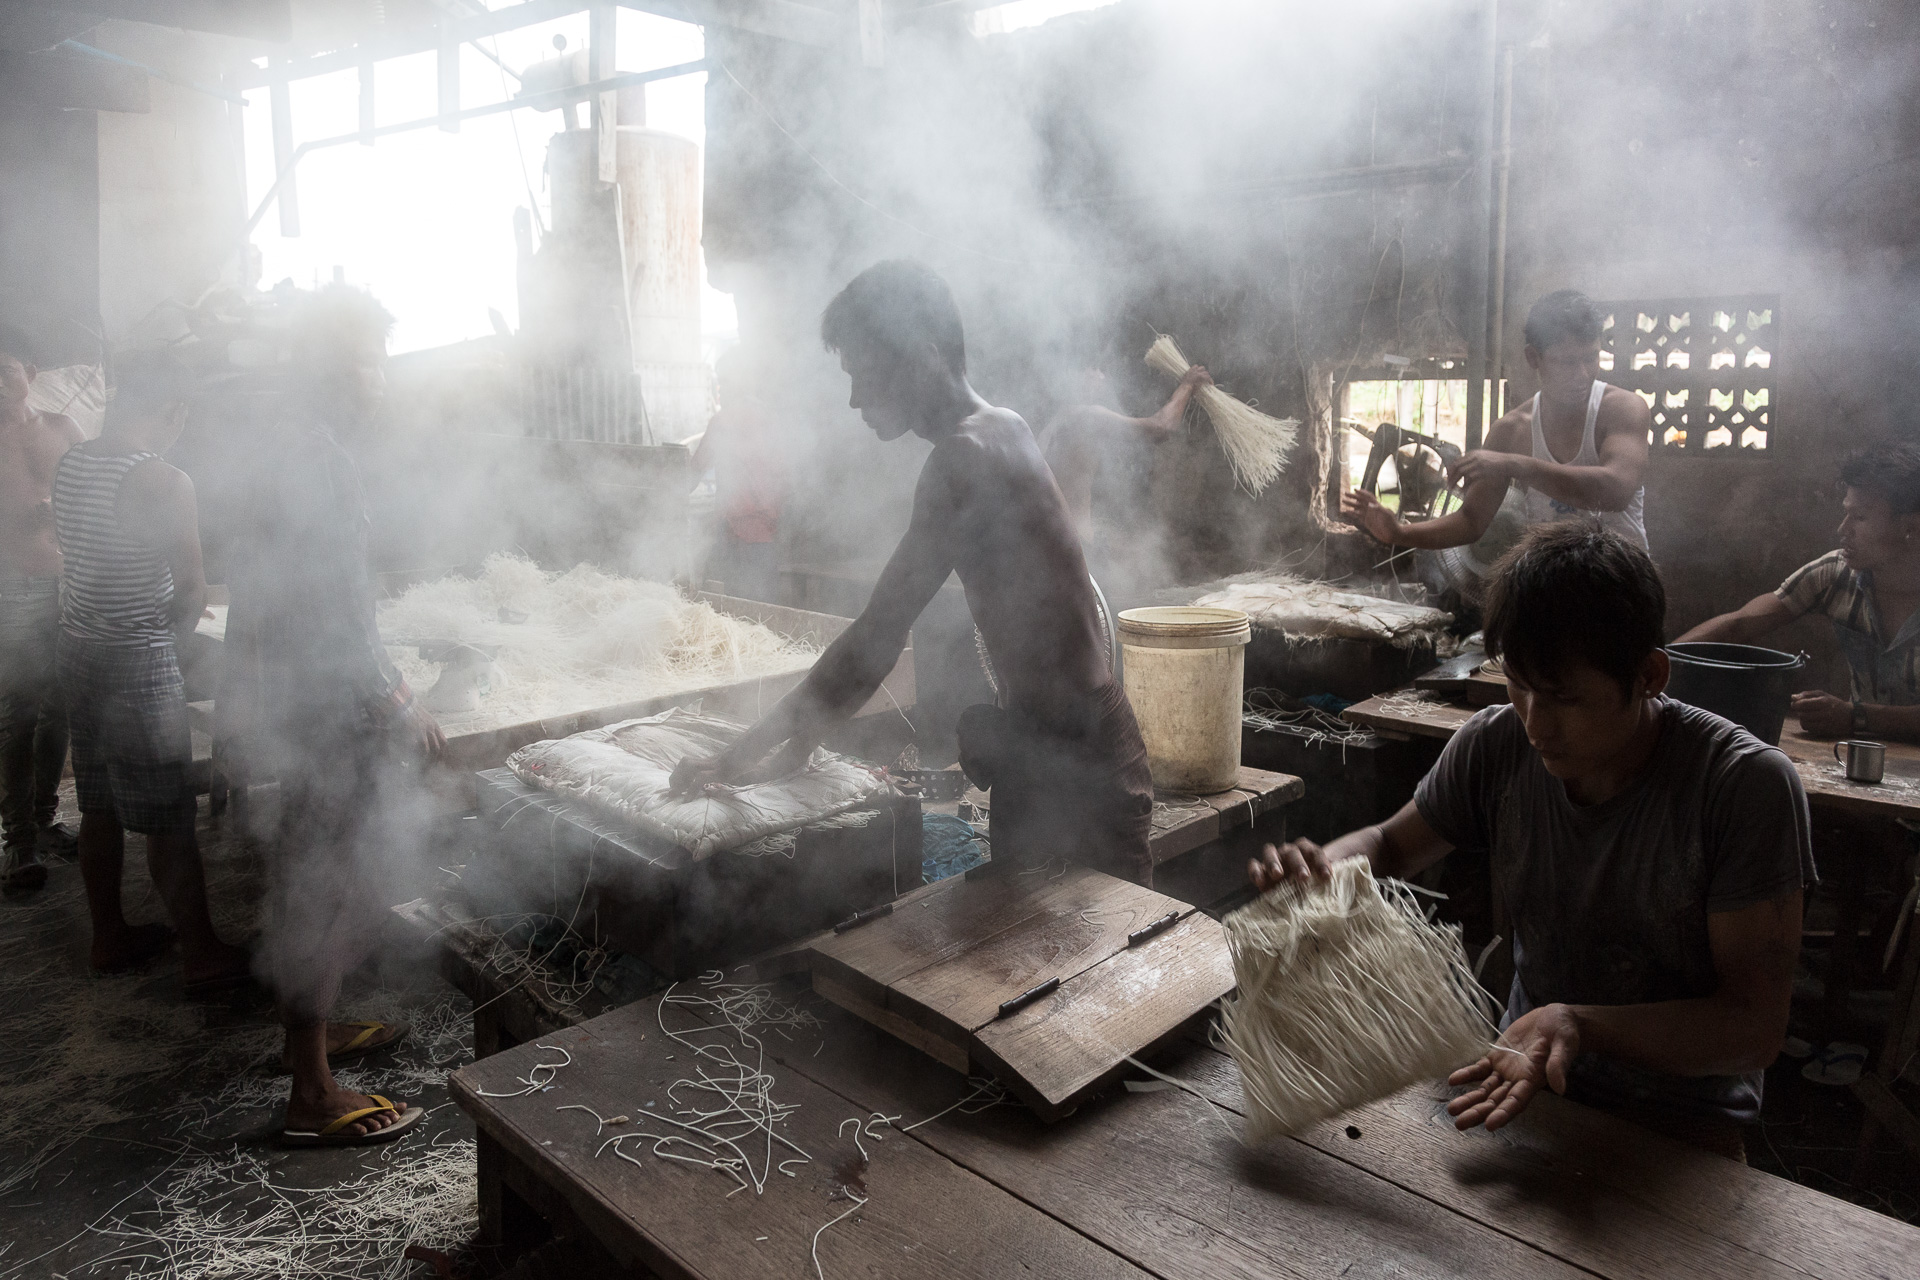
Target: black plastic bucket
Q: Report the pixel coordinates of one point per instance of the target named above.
(1748, 685)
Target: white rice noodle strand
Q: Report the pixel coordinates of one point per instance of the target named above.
(1346, 993)
(1256, 444)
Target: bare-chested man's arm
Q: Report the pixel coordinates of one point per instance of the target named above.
(1464, 525)
(1073, 441)
(31, 446)
(856, 663)
(1620, 437)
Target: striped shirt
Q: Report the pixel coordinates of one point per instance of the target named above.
(116, 589)
(1885, 669)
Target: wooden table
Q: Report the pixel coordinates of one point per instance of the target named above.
(1200, 844)
(1133, 1185)
(1420, 713)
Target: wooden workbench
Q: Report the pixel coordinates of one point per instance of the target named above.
(1421, 713)
(1198, 843)
(1134, 1184)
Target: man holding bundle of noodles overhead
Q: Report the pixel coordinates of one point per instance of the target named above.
(1061, 754)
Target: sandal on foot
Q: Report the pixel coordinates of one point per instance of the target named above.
(335, 1134)
(22, 871)
(373, 1037)
(1839, 1063)
(58, 840)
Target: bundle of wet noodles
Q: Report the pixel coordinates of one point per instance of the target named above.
(1346, 993)
(1256, 444)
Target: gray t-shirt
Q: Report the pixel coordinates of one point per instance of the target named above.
(1610, 901)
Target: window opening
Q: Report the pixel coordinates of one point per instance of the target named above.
(1703, 365)
(1422, 401)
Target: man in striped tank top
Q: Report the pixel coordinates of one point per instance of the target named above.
(33, 728)
(130, 538)
(1576, 448)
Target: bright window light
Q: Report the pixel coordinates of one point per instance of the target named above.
(425, 219)
(1028, 13)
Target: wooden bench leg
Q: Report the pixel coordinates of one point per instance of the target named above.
(1851, 877)
(508, 1223)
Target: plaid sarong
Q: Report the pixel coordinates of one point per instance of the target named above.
(127, 716)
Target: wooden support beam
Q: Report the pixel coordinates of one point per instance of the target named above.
(415, 40)
(70, 83)
(602, 24)
(366, 103)
(287, 190)
(270, 20)
(448, 68)
(782, 19)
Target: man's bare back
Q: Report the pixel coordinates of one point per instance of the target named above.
(31, 446)
(1010, 537)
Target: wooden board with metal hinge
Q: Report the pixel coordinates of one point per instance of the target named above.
(1049, 977)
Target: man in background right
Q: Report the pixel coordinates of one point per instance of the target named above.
(1869, 589)
(1577, 448)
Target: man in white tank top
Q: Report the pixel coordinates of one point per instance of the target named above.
(1577, 448)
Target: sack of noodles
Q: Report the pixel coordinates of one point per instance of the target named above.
(1346, 992)
(622, 772)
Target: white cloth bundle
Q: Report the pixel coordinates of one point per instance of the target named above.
(623, 770)
(1345, 993)
(77, 390)
(1315, 610)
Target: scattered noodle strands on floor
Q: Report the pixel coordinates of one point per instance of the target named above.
(1256, 444)
(218, 1217)
(1345, 993)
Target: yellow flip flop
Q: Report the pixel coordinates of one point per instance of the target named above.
(369, 1039)
(334, 1134)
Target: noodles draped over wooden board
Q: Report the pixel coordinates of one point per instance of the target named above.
(1345, 993)
(1256, 444)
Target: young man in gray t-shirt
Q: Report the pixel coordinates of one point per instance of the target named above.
(1652, 855)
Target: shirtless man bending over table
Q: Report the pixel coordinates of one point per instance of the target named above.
(1062, 754)
(33, 728)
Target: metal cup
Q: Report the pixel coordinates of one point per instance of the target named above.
(1864, 761)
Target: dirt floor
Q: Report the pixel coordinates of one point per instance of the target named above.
(136, 1127)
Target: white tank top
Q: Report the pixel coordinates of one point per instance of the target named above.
(1630, 524)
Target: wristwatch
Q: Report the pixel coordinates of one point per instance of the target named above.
(1859, 717)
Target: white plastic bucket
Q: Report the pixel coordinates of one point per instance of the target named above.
(1185, 667)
